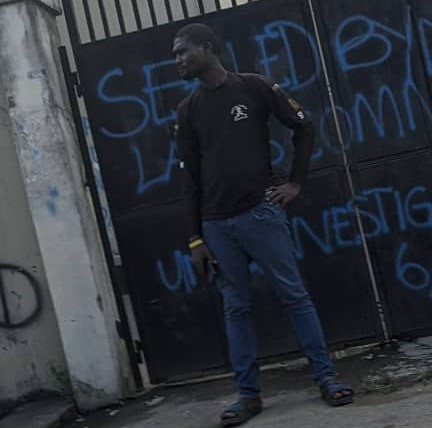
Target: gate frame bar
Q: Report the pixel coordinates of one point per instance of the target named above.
(119, 284)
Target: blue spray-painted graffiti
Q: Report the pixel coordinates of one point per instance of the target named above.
(398, 107)
(184, 278)
(337, 225)
(279, 30)
(121, 99)
(384, 93)
(172, 162)
(390, 110)
(372, 31)
(425, 27)
(235, 65)
(412, 275)
(51, 203)
(143, 183)
(384, 211)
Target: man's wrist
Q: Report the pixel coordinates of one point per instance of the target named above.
(195, 243)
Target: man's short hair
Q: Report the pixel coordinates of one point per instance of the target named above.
(199, 34)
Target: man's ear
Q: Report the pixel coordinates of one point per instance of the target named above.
(208, 46)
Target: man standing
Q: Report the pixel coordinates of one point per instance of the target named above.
(235, 206)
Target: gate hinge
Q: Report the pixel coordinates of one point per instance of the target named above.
(76, 83)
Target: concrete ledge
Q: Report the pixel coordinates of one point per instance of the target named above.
(42, 414)
(52, 5)
(290, 397)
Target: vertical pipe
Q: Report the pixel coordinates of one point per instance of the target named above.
(365, 246)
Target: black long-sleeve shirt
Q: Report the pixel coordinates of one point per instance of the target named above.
(223, 140)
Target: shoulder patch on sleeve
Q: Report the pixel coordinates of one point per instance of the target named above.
(292, 102)
(295, 105)
(298, 109)
(301, 115)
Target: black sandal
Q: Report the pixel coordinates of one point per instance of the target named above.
(336, 393)
(241, 411)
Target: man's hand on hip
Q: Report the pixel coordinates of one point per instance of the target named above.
(285, 193)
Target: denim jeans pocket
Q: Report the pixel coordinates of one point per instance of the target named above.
(267, 211)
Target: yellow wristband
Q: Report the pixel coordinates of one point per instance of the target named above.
(195, 243)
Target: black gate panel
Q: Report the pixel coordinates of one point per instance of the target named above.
(178, 317)
(382, 97)
(422, 18)
(131, 92)
(371, 165)
(333, 266)
(397, 199)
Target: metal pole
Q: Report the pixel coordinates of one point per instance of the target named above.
(378, 302)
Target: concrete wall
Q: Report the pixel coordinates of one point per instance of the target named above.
(31, 355)
(57, 314)
(130, 24)
(59, 203)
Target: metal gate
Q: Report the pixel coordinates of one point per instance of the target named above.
(362, 229)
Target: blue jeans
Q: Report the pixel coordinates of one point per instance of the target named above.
(262, 234)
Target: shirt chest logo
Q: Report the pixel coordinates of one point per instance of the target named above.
(239, 112)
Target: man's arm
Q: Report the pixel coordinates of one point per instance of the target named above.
(292, 115)
(187, 145)
(189, 154)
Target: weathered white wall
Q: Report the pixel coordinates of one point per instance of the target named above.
(31, 357)
(62, 216)
(131, 26)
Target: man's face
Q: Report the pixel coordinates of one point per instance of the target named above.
(191, 59)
